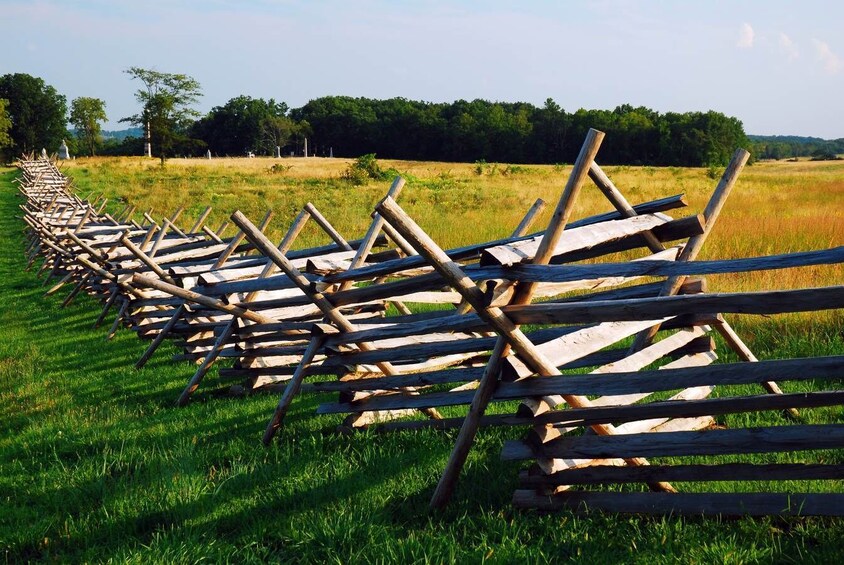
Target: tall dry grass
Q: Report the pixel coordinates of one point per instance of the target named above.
(774, 208)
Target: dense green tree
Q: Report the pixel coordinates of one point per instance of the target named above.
(547, 143)
(349, 125)
(635, 136)
(166, 101)
(85, 115)
(130, 145)
(38, 113)
(245, 124)
(790, 146)
(276, 132)
(5, 125)
(468, 131)
(517, 132)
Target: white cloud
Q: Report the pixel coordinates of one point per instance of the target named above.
(788, 47)
(746, 34)
(831, 62)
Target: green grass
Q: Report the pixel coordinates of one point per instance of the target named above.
(97, 465)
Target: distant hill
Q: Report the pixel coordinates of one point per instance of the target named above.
(120, 135)
(787, 139)
(789, 146)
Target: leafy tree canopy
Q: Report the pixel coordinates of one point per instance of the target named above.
(791, 146)
(517, 132)
(166, 101)
(38, 113)
(466, 131)
(85, 115)
(245, 124)
(5, 124)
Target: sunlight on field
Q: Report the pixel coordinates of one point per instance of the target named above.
(775, 208)
(97, 461)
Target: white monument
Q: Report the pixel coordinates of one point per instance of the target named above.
(64, 152)
(208, 154)
(43, 153)
(147, 143)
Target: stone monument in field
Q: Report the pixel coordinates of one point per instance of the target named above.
(64, 152)
(147, 143)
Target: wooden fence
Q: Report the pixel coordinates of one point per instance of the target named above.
(518, 312)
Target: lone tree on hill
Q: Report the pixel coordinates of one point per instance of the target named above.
(85, 115)
(165, 107)
(37, 112)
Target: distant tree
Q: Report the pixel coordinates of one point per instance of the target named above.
(785, 146)
(824, 154)
(548, 139)
(245, 124)
(517, 132)
(37, 112)
(304, 130)
(130, 145)
(5, 125)
(277, 131)
(166, 101)
(85, 115)
(350, 125)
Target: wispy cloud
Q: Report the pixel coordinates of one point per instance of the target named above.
(831, 62)
(745, 40)
(788, 47)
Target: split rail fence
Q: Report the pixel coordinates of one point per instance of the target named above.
(524, 332)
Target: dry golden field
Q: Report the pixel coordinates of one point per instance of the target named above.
(776, 207)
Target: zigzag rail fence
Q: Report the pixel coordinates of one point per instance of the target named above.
(519, 312)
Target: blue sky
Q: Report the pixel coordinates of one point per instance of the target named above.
(778, 66)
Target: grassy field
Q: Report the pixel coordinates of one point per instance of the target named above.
(776, 207)
(97, 465)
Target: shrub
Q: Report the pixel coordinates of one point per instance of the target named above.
(823, 155)
(365, 168)
(482, 168)
(279, 169)
(515, 170)
(714, 172)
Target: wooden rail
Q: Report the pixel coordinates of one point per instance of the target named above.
(284, 316)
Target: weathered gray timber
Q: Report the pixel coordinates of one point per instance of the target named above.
(325, 315)
(762, 303)
(677, 444)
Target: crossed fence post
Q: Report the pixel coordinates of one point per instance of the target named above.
(510, 336)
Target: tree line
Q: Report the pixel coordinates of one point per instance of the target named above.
(517, 132)
(792, 146)
(34, 115)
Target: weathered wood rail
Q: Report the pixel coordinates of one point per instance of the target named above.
(344, 313)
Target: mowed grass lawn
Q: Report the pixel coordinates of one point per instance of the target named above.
(97, 465)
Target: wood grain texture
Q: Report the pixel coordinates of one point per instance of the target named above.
(678, 444)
